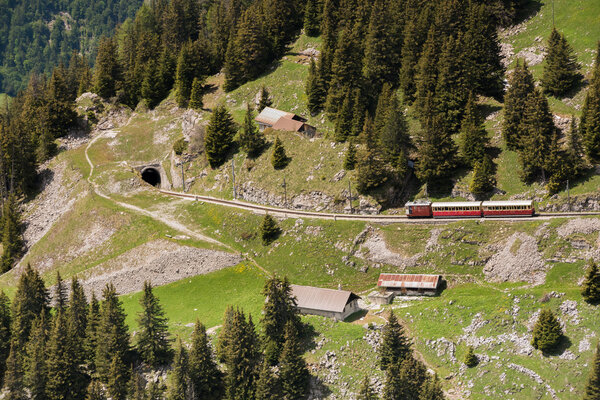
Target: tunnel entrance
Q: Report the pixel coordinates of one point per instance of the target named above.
(151, 176)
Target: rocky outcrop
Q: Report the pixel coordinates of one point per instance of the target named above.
(578, 204)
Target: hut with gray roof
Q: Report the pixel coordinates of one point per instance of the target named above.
(330, 303)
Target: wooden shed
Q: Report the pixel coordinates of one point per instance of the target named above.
(283, 121)
(411, 284)
(331, 303)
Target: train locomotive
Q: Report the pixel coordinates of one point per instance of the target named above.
(470, 209)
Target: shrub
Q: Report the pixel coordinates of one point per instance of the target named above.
(180, 146)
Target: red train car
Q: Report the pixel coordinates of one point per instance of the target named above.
(419, 209)
(517, 208)
(464, 209)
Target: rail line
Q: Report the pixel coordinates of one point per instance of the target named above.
(289, 213)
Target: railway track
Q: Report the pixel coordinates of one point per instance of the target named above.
(288, 213)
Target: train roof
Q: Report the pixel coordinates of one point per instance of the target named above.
(507, 203)
(458, 204)
(418, 203)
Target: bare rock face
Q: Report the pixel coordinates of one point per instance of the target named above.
(578, 204)
(517, 261)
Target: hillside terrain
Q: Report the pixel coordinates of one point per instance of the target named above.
(94, 218)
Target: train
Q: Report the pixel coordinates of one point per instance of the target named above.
(470, 209)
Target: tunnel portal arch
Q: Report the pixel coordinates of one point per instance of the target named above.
(151, 176)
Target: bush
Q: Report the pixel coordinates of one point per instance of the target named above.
(591, 286)
(547, 332)
(470, 358)
(180, 146)
(269, 231)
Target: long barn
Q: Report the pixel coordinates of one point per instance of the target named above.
(330, 303)
(410, 284)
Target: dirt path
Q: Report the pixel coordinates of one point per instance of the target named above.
(163, 218)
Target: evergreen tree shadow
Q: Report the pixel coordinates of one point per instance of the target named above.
(488, 109)
(531, 8)
(564, 344)
(308, 336)
(44, 178)
(579, 85)
(317, 388)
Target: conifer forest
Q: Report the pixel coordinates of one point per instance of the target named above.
(299, 199)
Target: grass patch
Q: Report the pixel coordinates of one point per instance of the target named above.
(204, 297)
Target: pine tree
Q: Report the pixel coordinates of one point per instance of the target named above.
(279, 159)
(269, 231)
(359, 113)
(575, 149)
(395, 346)
(5, 322)
(14, 386)
(91, 333)
(155, 391)
(118, 378)
(191, 64)
(265, 99)
(64, 379)
(370, 167)
(432, 389)
(205, 377)
(590, 116)
(436, 152)
(77, 320)
(153, 342)
(107, 72)
(520, 86)
(537, 130)
(426, 78)
(561, 71)
(366, 390)
(451, 90)
(590, 290)
(315, 93)
(251, 140)
(196, 95)
(112, 336)
(484, 179)
(136, 390)
(343, 121)
(350, 159)
(241, 358)
(293, 370)
(60, 296)
(470, 358)
(178, 380)
(592, 388)
(94, 391)
(395, 139)
(558, 166)
(393, 387)
(383, 45)
(279, 310)
(219, 136)
(311, 18)
(152, 84)
(268, 386)
(35, 365)
(12, 241)
(481, 51)
(225, 334)
(30, 301)
(473, 136)
(547, 332)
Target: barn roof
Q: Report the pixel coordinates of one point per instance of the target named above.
(270, 116)
(315, 298)
(287, 124)
(409, 281)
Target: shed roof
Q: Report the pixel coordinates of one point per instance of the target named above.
(508, 203)
(316, 298)
(418, 203)
(409, 281)
(288, 124)
(270, 115)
